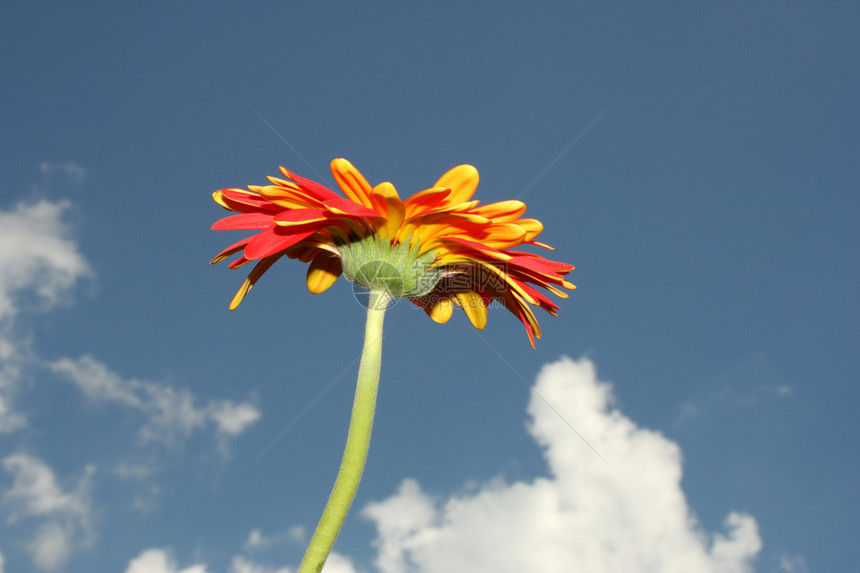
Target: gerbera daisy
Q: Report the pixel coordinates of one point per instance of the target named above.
(438, 248)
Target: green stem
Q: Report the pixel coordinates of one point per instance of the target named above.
(357, 439)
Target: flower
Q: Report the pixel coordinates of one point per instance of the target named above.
(440, 247)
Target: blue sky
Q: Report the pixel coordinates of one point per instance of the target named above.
(698, 163)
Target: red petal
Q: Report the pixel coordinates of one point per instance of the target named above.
(273, 240)
(351, 208)
(312, 188)
(245, 222)
(234, 248)
(540, 264)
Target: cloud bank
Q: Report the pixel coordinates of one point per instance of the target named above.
(626, 514)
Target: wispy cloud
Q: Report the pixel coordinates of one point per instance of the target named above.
(629, 514)
(241, 564)
(65, 517)
(749, 383)
(791, 564)
(168, 415)
(40, 264)
(70, 170)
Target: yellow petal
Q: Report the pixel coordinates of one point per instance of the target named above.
(352, 182)
(323, 272)
(253, 277)
(282, 182)
(556, 292)
(474, 306)
(288, 198)
(441, 311)
(219, 198)
(462, 181)
(529, 316)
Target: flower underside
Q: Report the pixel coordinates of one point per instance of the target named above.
(438, 248)
(375, 263)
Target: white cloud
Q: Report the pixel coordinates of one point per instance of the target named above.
(257, 540)
(51, 548)
(39, 266)
(159, 561)
(36, 255)
(233, 419)
(627, 514)
(10, 420)
(337, 563)
(66, 515)
(2, 563)
(170, 415)
(244, 565)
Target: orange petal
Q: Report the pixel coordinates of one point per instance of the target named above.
(474, 250)
(533, 227)
(503, 211)
(352, 182)
(462, 181)
(425, 200)
(504, 236)
(386, 200)
(426, 227)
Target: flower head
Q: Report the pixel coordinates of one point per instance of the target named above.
(438, 248)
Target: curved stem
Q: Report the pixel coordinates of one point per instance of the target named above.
(357, 440)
